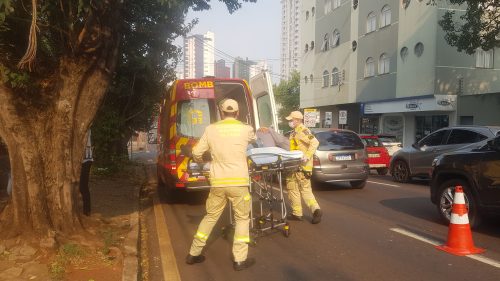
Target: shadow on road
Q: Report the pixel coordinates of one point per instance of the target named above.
(419, 207)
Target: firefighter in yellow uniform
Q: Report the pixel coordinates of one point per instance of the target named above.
(227, 142)
(299, 183)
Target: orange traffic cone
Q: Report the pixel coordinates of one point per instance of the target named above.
(459, 235)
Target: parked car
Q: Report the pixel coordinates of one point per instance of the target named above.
(390, 142)
(417, 159)
(378, 156)
(340, 157)
(477, 171)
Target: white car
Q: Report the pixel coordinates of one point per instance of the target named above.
(391, 143)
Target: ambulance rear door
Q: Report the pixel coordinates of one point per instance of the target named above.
(264, 104)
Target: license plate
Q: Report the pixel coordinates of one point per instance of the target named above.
(343, 157)
(373, 155)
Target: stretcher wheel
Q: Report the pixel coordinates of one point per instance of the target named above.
(286, 230)
(260, 222)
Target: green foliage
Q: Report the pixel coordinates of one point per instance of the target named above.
(67, 254)
(287, 95)
(477, 27)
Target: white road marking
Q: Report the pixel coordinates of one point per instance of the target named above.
(375, 182)
(477, 257)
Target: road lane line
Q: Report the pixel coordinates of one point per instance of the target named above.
(477, 257)
(375, 182)
(168, 262)
(416, 236)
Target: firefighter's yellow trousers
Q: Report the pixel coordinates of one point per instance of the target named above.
(298, 187)
(239, 198)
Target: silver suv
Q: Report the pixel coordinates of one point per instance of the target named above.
(417, 159)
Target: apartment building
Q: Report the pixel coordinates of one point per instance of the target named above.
(199, 55)
(387, 64)
(290, 36)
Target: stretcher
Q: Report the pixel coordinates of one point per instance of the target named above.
(267, 168)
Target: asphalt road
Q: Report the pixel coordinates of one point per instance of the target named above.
(358, 239)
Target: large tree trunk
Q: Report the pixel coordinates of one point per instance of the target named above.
(46, 146)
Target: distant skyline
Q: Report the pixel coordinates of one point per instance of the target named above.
(251, 32)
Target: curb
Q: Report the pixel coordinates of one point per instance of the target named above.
(130, 256)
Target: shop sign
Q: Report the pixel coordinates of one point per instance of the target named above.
(432, 103)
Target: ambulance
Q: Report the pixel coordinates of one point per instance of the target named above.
(188, 107)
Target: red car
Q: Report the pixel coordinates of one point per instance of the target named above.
(378, 157)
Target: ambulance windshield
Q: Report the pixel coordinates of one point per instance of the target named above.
(193, 117)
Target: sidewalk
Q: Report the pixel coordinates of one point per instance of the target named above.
(109, 252)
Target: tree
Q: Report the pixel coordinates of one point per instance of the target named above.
(478, 27)
(287, 95)
(57, 60)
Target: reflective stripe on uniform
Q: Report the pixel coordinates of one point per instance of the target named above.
(202, 236)
(296, 209)
(247, 197)
(245, 239)
(229, 181)
(311, 202)
(307, 168)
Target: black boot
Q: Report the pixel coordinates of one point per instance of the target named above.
(317, 216)
(243, 264)
(194, 259)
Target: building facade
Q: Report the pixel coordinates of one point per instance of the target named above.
(387, 64)
(199, 55)
(241, 68)
(290, 37)
(221, 70)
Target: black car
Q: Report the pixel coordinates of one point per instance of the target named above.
(477, 171)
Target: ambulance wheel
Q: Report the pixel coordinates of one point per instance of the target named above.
(286, 230)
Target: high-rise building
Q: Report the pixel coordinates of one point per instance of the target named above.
(199, 55)
(290, 36)
(241, 68)
(221, 70)
(258, 67)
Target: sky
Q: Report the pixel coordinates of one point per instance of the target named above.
(252, 31)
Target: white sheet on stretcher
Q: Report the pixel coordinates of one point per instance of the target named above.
(268, 155)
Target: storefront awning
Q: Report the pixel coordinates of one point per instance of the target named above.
(413, 104)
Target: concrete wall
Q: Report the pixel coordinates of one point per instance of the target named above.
(485, 108)
(417, 23)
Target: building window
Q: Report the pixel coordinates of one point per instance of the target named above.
(311, 78)
(328, 6)
(419, 49)
(307, 48)
(354, 4)
(383, 64)
(326, 78)
(404, 53)
(371, 22)
(336, 4)
(370, 67)
(313, 11)
(385, 16)
(335, 76)
(312, 45)
(335, 38)
(307, 15)
(305, 79)
(325, 43)
(484, 59)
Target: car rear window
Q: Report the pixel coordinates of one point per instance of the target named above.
(372, 142)
(193, 117)
(338, 140)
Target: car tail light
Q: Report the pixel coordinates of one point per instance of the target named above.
(172, 159)
(316, 162)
